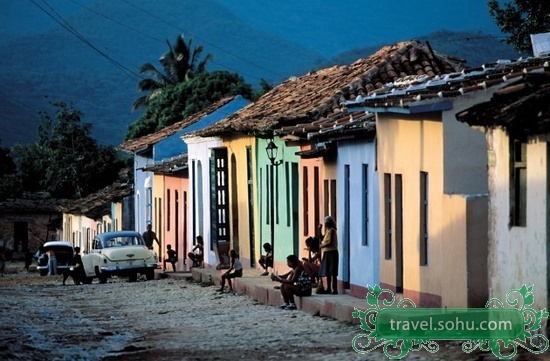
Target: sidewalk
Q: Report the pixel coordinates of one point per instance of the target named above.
(339, 307)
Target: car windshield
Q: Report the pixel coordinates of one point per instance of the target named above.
(124, 241)
(59, 249)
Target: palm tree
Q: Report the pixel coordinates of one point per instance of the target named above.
(179, 64)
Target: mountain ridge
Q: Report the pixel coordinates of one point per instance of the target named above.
(53, 65)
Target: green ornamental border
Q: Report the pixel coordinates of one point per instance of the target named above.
(529, 337)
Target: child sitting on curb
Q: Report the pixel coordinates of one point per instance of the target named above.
(235, 270)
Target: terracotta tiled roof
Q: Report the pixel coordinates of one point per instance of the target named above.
(320, 93)
(98, 204)
(34, 205)
(167, 166)
(337, 127)
(522, 108)
(148, 140)
(421, 93)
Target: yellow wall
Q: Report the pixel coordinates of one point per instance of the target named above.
(239, 212)
(117, 221)
(408, 145)
(159, 214)
(79, 230)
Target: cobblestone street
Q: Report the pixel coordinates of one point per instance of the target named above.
(169, 319)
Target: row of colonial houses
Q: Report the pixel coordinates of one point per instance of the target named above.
(436, 173)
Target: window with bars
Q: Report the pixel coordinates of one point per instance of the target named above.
(518, 183)
(387, 217)
(365, 203)
(423, 218)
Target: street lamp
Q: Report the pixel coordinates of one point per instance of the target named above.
(271, 151)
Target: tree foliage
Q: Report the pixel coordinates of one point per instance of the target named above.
(520, 19)
(28, 158)
(66, 161)
(10, 184)
(187, 98)
(180, 63)
(265, 87)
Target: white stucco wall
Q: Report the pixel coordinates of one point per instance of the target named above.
(199, 151)
(76, 230)
(139, 190)
(517, 255)
(364, 259)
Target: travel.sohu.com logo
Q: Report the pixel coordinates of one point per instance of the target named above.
(403, 327)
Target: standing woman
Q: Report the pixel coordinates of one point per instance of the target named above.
(329, 263)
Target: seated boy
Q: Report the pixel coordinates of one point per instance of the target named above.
(171, 256)
(266, 260)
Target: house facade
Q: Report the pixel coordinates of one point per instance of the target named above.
(171, 193)
(307, 100)
(152, 189)
(434, 186)
(428, 226)
(109, 209)
(433, 201)
(201, 156)
(515, 123)
(346, 148)
(278, 201)
(242, 196)
(358, 215)
(27, 223)
(350, 140)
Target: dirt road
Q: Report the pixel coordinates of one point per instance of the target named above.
(166, 320)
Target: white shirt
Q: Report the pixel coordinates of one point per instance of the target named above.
(237, 265)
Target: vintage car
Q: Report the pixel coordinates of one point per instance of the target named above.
(63, 253)
(121, 254)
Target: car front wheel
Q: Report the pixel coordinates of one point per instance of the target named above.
(87, 280)
(133, 277)
(150, 274)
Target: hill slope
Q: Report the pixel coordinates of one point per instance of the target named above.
(272, 40)
(57, 65)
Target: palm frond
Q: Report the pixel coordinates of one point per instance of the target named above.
(139, 103)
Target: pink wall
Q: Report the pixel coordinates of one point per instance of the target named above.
(175, 218)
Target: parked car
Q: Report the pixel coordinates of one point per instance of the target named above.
(122, 254)
(63, 253)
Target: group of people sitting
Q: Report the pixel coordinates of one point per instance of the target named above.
(320, 268)
(196, 256)
(321, 264)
